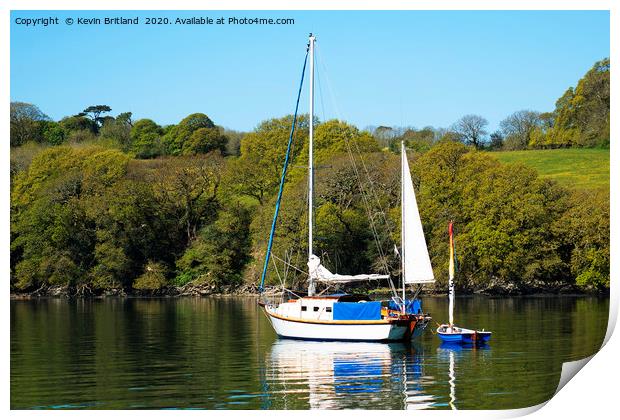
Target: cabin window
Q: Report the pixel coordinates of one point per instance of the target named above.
(328, 309)
(303, 308)
(316, 309)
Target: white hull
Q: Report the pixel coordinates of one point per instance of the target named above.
(383, 331)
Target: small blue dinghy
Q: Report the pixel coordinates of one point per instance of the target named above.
(454, 334)
(450, 333)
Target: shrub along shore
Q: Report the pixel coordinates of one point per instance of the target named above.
(494, 288)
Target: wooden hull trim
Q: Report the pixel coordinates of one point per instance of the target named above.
(385, 321)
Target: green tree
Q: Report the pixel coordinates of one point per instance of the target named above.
(78, 123)
(503, 215)
(582, 114)
(95, 111)
(153, 278)
(78, 129)
(584, 233)
(188, 188)
(177, 135)
(118, 130)
(53, 133)
(146, 139)
(49, 241)
(51, 238)
(336, 136)
(220, 252)
(205, 140)
(418, 140)
(256, 173)
(26, 123)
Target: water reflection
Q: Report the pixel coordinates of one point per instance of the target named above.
(332, 375)
(416, 380)
(452, 382)
(221, 353)
(464, 353)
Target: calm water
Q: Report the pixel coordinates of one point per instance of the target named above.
(221, 353)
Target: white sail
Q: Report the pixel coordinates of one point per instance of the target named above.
(416, 261)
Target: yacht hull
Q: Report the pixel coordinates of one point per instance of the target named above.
(383, 330)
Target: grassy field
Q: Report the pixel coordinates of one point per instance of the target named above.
(575, 168)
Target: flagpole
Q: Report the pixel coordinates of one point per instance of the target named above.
(451, 275)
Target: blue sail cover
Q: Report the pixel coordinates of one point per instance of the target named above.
(365, 311)
(411, 306)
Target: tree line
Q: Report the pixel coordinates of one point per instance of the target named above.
(102, 203)
(580, 119)
(195, 134)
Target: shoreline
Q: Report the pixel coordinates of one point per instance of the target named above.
(251, 290)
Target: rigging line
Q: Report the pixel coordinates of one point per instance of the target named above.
(291, 265)
(285, 268)
(339, 115)
(329, 286)
(318, 80)
(291, 292)
(287, 255)
(295, 250)
(300, 215)
(371, 219)
(329, 84)
(374, 194)
(366, 204)
(303, 217)
(277, 272)
(284, 168)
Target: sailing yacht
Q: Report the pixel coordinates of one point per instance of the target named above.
(317, 316)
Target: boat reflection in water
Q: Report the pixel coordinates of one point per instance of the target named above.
(333, 375)
(452, 352)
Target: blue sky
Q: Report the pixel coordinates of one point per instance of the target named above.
(404, 68)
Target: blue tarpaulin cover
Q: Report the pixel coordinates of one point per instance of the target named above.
(357, 311)
(411, 306)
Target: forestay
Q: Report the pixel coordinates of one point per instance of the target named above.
(417, 263)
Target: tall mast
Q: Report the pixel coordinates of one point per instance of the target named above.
(403, 156)
(451, 268)
(311, 286)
